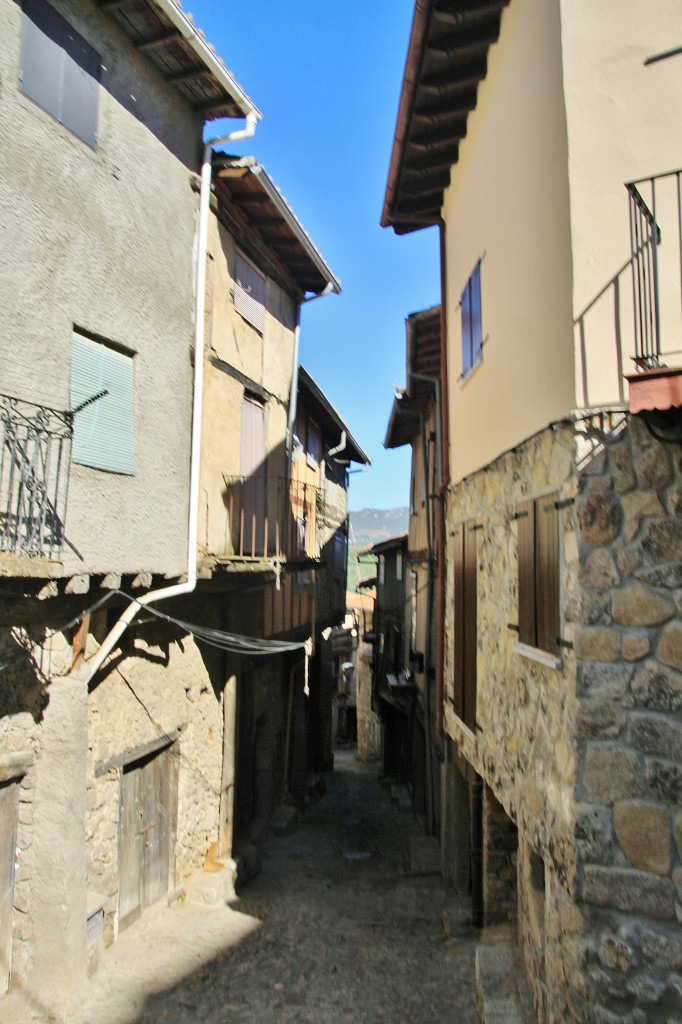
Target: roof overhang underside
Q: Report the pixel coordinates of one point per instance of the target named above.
(447, 58)
(327, 418)
(422, 332)
(167, 37)
(243, 183)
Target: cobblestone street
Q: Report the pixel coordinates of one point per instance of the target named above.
(346, 934)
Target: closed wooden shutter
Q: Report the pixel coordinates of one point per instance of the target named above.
(252, 524)
(547, 574)
(475, 314)
(458, 654)
(249, 292)
(104, 431)
(526, 559)
(470, 626)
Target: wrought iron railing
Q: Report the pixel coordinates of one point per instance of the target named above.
(656, 271)
(270, 517)
(35, 459)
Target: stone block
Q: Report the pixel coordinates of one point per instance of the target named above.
(596, 608)
(600, 681)
(637, 505)
(655, 734)
(658, 688)
(622, 469)
(600, 518)
(629, 559)
(677, 832)
(662, 948)
(611, 773)
(78, 585)
(600, 719)
(599, 571)
(664, 781)
(654, 468)
(597, 644)
(670, 645)
(629, 890)
(635, 646)
(617, 954)
(667, 576)
(594, 834)
(643, 832)
(662, 541)
(637, 605)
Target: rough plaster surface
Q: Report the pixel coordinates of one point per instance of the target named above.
(102, 240)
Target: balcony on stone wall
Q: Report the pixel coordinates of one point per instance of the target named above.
(269, 519)
(655, 211)
(35, 460)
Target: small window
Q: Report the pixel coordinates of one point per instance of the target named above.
(313, 445)
(399, 565)
(381, 570)
(59, 71)
(249, 292)
(472, 335)
(538, 559)
(104, 426)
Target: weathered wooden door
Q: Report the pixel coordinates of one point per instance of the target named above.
(145, 833)
(9, 796)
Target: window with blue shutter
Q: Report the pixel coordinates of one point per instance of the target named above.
(472, 334)
(249, 292)
(103, 429)
(59, 70)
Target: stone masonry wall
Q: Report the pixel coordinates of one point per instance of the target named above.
(629, 787)
(500, 854)
(158, 687)
(585, 755)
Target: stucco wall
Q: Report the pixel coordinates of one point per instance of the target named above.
(102, 240)
(623, 124)
(507, 205)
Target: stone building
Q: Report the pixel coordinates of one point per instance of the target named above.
(558, 681)
(414, 420)
(155, 389)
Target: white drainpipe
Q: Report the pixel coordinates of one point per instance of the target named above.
(340, 446)
(90, 667)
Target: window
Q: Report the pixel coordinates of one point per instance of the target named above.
(59, 71)
(538, 557)
(465, 596)
(399, 565)
(472, 335)
(313, 445)
(103, 427)
(249, 292)
(381, 570)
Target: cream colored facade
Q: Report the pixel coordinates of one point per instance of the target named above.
(568, 112)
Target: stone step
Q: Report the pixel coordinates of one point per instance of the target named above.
(498, 981)
(213, 888)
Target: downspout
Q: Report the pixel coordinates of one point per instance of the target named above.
(110, 641)
(340, 446)
(293, 397)
(445, 482)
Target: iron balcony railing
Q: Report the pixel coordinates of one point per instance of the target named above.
(270, 518)
(656, 264)
(35, 460)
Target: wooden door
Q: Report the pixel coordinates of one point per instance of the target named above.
(9, 799)
(145, 833)
(252, 524)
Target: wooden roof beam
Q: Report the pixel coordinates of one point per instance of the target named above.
(157, 41)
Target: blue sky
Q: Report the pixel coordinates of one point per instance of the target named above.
(327, 79)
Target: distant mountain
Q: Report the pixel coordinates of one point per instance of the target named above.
(369, 526)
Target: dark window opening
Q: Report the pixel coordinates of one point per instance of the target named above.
(59, 71)
(465, 623)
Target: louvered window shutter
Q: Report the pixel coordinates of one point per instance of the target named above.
(249, 292)
(526, 574)
(465, 301)
(458, 573)
(547, 574)
(470, 637)
(104, 431)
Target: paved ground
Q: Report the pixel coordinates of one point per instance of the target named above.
(335, 929)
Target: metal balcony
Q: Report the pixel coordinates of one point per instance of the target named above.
(270, 518)
(35, 461)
